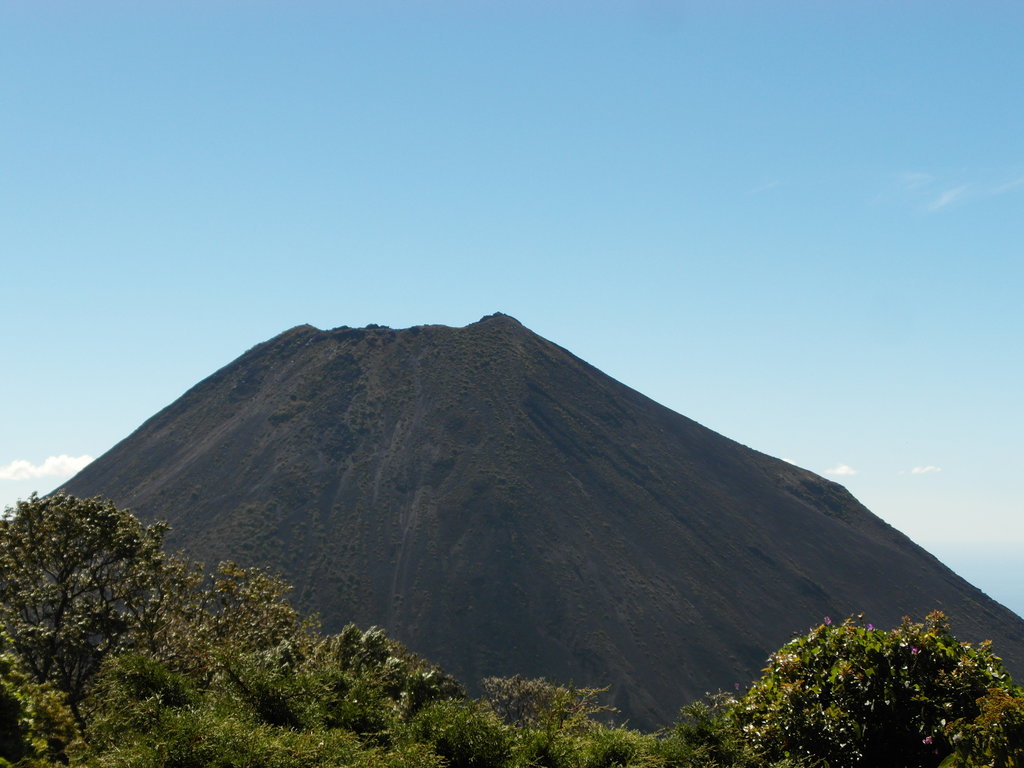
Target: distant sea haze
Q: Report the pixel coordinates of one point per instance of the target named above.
(997, 570)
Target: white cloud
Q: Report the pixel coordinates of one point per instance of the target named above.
(925, 470)
(949, 197)
(932, 193)
(54, 466)
(913, 180)
(842, 469)
(1008, 186)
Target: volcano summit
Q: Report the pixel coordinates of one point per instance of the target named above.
(503, 507)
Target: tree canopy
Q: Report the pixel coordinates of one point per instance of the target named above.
(81, 580)
(76, 580)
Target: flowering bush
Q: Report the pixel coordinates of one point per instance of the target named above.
(854, 695)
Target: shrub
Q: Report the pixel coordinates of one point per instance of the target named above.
(265, 707)
(559, 722)
(995, 738)
(133, 695)
(35, 725)
(853, 695)
(518, 700)
(607, 747)
(705, 736)
(210, 737)
(397, 675)
(465, 734)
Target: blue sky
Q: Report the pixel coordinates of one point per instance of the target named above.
(800, 225)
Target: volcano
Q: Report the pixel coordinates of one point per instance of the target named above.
(502, 507)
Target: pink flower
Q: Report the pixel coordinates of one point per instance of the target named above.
(828, 621)
(927, 740)
(870, 627)
(914, 650)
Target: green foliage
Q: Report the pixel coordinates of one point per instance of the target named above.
(246, 609)
(75, 580)
(406, 680)
(203, 621)
(994, 738)
(81, 580)
(705, 736)
(517, 700)
(36, 727)
(555, 725)
(465, 734)
(15, 711)
(852, 695)
(557, 734)
(134, 695)
(364, 682)
(541, 703)
(352, 692)
(608, 747)
(208, 737)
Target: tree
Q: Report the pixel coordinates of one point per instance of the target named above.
(517, 700)
(76, 579)
(81, 579)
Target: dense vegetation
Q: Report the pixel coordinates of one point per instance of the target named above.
(115, 654)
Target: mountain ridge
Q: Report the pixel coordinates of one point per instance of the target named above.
(502, 507)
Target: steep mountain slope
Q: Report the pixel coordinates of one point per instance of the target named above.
(503, 507)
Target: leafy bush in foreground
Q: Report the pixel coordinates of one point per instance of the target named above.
(337, 701)
(35, 724)
(994, 738)
(853, 695)
(465, 734)
(705, 736)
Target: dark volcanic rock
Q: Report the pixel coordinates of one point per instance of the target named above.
(503, 507)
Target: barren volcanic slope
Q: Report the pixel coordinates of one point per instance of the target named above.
(503, 507)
